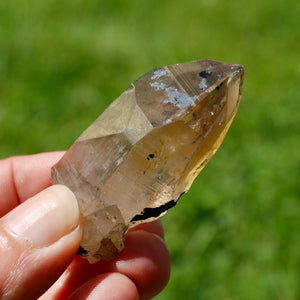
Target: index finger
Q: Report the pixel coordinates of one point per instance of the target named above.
(21, 177)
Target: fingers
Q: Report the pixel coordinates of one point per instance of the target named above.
(108, 286)
(145, 261)
(35, 255)
(39, 238)
(152, 227)
(21, 177)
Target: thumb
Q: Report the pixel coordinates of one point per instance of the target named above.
(38, 239)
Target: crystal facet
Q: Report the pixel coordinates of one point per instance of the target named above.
(145, 150)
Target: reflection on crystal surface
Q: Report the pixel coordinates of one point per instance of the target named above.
(145, 150)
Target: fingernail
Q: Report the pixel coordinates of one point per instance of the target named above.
(44, 218)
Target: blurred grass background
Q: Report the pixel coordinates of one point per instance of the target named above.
(235, 235)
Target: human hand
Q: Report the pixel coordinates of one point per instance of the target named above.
(39, 238)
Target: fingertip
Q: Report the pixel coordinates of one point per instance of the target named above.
(27, 273)
(146, 261)
(107, 286)
(44, 218)
(154, 227)
(42, 236)
(68, 203)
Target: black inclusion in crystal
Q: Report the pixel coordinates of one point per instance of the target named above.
(150, 212)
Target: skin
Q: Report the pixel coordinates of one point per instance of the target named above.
(41, 230)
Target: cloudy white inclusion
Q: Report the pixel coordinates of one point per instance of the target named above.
(158, 85)
(180, 100)
(158, 73)
(203, 84)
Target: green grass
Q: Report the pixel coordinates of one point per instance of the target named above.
(235, 235)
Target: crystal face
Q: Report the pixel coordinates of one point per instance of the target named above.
(145, 150)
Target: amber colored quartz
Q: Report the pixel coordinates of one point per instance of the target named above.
(146, 148)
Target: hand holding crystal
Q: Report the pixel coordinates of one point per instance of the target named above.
(40, 233)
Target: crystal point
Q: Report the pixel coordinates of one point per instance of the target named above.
(147, 147)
